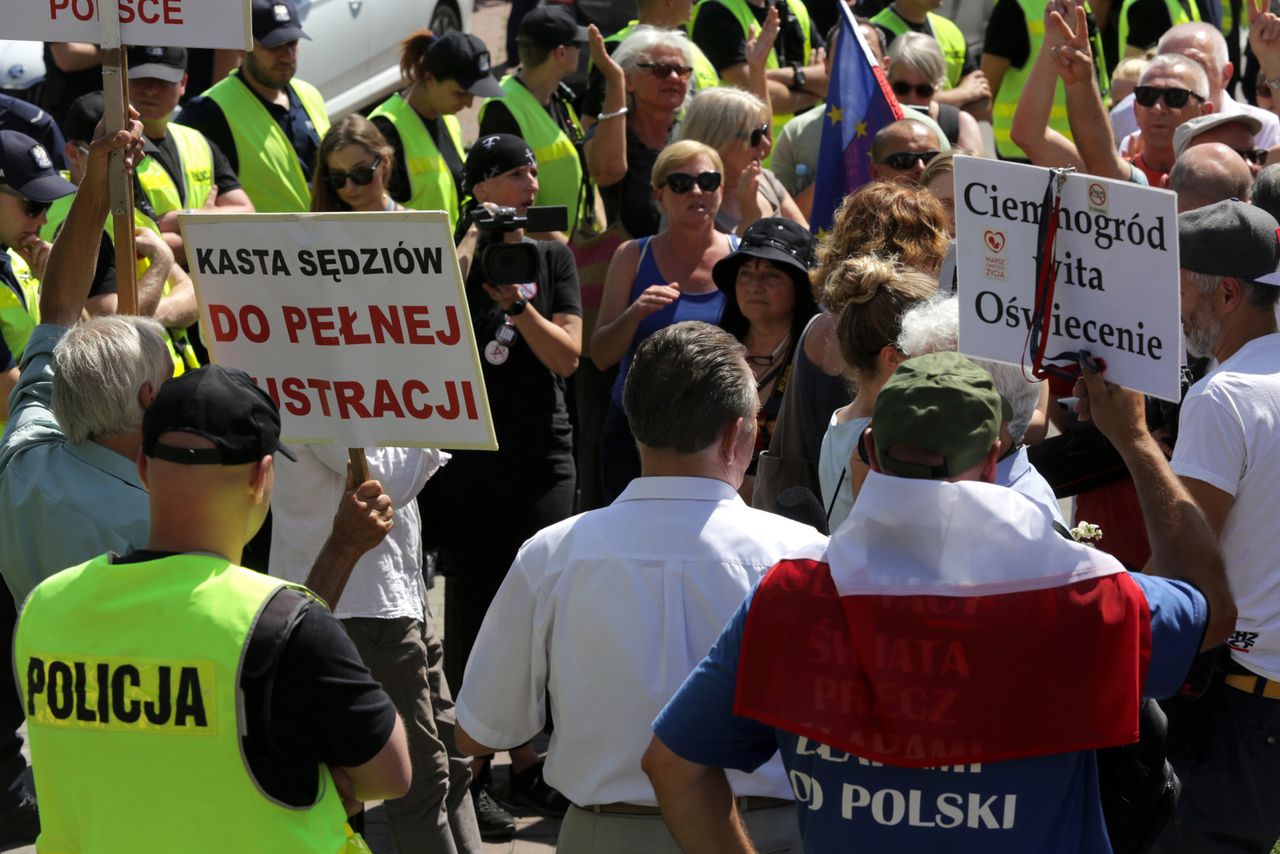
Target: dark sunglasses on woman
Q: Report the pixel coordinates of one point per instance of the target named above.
(663, 70)
(923, 90)
(1175, 98)
(362, 175)
(755, 136)
(683, 182)
(30, 207)
(904, 160)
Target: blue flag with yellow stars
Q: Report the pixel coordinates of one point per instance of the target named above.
(859, 103)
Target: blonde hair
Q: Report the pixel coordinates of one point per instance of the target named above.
(679, 153)
(892, 220)
(869, 295)
(722, 115)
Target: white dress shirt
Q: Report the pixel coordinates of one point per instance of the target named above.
(387, 580)
(608, 612)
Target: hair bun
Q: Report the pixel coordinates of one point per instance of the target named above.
(856, 281)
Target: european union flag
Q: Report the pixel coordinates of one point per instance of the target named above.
(859, 103)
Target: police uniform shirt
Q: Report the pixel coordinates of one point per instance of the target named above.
(206, 116)
(308, 697)
(36, 123)
(720, 36)
(165, 152)
(400, 186)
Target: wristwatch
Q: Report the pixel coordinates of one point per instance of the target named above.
(517, 307)
(798, 78)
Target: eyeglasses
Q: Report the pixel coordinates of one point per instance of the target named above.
(755, 136)
(663, 70)
(1256, 156)
(1174, 97)
(362, 175)
(683, 182)
(904, 160)
(31, 207)
(923, 90)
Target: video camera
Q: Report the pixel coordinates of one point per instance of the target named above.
(514, 263)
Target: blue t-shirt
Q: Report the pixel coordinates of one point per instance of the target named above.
(1044, 804)
(706, 307)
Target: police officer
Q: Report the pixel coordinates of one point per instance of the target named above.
(537, 107)
(265, 121)
(183, 169)
(176, 700)
(444, 74)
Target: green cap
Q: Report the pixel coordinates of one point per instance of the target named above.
(942, 403)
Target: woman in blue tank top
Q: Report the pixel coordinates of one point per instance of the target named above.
(657, 281)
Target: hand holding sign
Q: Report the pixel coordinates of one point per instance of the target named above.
(1120, 414)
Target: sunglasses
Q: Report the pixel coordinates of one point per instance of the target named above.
(755, 136)
(32, 208)
(663, 70)
(683, 182)
(362, 175)
(1256, 156)
(1174, 97)
(923, 90)
(904, 160)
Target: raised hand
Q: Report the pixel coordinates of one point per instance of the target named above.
(760, 45)
(600, 55)
(655, 298)
(1069, 42)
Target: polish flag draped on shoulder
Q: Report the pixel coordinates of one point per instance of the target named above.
(947, 624)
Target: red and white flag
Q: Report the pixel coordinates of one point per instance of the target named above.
(947, 624)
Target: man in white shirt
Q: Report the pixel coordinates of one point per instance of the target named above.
(382, 606)
(609, 611)
(1205, 44)
(1228, 456)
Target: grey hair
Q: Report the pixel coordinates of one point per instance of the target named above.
(635, 47)
(933, 326)
(1195, 33)
(1168, 64)
(921, 54)
(1259, 296)
(98, 368)
(686, 383)
(1266, 189)
(719, 116)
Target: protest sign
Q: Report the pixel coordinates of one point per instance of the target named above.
(160, 23)
(1117, 291)
(356, 323)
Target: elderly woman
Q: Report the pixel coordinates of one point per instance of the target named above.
(737, 125)
(768, 303)
(646, 83)
(916, 72)
(657, 281)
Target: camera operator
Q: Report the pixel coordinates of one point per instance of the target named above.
(484, 505)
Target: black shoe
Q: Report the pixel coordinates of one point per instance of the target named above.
(19, 825)
(496, 824)
(530, 790)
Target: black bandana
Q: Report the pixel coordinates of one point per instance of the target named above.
(493, 155)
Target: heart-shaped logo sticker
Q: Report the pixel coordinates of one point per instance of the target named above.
(995, 240)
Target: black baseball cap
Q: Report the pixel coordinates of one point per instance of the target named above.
(1231, 238)
(551, 26)
(225, 406)
(83, 116)
(25, 168)
(463, 58)
(158, 63)
(276, 22)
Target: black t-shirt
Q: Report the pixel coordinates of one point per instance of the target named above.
(970, 64)
(1007, 34)
(1149, 19)
(498, 118)
(309, 699)
(400, 186)
(61, 88)
(206, 116)
(631, 200)
(720, 36)
(525, 396)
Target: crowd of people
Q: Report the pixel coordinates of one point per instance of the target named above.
(756, 538)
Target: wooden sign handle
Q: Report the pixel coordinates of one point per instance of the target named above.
(359, 464)
(115, 94)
